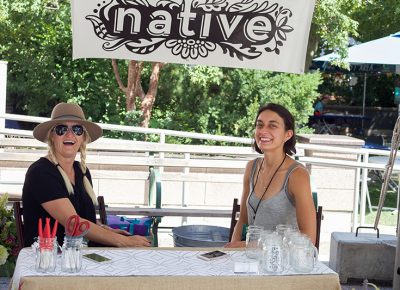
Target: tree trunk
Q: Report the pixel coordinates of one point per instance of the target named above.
(147, 101)
(134, 91)
(312, 47)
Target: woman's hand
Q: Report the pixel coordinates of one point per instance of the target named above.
(238, 244)
(117, 231)
(121, 238)
(138, 241)
(121, 232)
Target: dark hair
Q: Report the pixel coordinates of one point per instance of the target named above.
(288, 119)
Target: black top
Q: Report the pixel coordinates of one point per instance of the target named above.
(43, 183)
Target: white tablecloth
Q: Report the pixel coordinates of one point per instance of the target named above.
(147, 262)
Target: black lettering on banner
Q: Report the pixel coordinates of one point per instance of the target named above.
(244, 29)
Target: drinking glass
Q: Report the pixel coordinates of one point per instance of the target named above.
(252, 237)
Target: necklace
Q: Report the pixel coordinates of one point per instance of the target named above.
(265, 187)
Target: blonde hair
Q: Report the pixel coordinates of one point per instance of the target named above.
(68, 184)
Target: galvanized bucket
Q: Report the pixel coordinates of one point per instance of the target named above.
(200, 236)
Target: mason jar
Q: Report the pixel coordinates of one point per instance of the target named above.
(45, 254)
(274, 254)
(71, 258)
(252, 237)
(304, 255)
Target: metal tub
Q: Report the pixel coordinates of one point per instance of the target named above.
(200, 236)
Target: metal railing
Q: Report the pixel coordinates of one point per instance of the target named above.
(362, 165)
(162, 133)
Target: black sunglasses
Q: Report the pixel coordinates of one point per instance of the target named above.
(61, 130)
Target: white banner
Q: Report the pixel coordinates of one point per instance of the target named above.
(260, 34)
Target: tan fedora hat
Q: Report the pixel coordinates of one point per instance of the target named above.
(64, 112)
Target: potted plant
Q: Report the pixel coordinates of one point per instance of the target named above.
(8, 242)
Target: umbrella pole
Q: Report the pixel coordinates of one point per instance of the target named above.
(363, 106)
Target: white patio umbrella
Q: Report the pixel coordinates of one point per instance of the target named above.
(385, 50)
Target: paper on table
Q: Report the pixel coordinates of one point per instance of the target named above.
(245, 266)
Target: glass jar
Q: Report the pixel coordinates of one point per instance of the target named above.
(288, 235)
(281, 228)
(264, 236)
(252, 236)
(274, 254)
(45, 254)
(304, 255)
(71, 259)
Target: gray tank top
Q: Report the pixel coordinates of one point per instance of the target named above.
(279, 209)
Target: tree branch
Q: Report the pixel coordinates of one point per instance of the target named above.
(117, 76)
(138, 81)
(150, 97)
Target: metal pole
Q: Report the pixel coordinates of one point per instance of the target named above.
(396, 274)
(3, 90)
(363, 106)
(162, 155)
(356, 196)
(185, 188)
(185, 185)
(364, 186)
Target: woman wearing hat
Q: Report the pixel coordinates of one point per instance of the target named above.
(57, 186)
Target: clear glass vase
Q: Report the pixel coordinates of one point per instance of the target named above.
(46, 254)
(71, 258)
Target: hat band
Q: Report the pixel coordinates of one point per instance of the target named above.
(68, 117)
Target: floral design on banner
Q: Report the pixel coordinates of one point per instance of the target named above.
(190, 47)
(244, 29)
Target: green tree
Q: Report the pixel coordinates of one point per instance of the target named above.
(134, 92)
(384, 12)
(380, 86)
(331, 28)
(36, 41)
(224, 101)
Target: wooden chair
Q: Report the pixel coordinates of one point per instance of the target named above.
(236, 212)
(19, 223)
(319, 219)
(102, 209)
(234, 216)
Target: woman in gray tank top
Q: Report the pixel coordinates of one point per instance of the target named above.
(276, 188)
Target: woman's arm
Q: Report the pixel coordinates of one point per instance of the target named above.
(61, 209)
(118, 231)
(300, 189)
(236, 240)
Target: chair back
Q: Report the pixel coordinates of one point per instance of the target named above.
(234, 216)
(318, 233)
(19, 222)
(102, 209)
